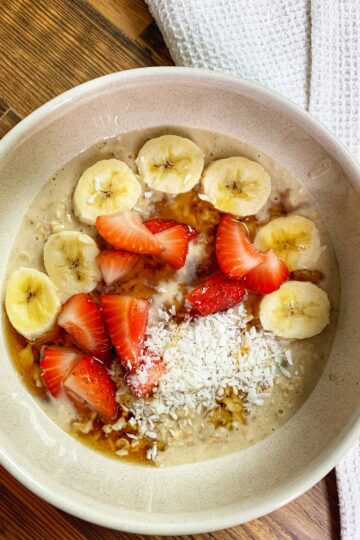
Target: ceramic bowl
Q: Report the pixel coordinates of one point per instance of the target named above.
(229, 490)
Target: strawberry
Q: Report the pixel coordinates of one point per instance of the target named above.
(125, 230)
(157, 225)
(115, 264)
(89, 381)
(81, 318)
(126, 319)
(235, 253)
(147, 376)
(55, 364)
(216, 293)
(176, 244)
(267, 276)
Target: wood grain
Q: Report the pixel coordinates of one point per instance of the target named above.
(47, 47)
(130, 17)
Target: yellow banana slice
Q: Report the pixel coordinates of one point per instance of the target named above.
(32, 302)
(70, 261)
(236, 185)
(170, 164)
(295, 240)
(107, 187)
(297, 310)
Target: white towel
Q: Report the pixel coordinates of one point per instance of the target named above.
(308, 50)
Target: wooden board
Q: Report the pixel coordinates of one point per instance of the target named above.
(46, 47)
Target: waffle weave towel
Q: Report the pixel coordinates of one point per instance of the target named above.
(308, 50)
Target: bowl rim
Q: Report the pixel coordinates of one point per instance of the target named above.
(333, 454)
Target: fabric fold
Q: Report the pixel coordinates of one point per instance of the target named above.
(266, 41)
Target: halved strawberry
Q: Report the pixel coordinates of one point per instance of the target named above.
(143, 381)
(81, 318)
(157, 225)
(267, 276)
(55, 364)
(126, 319)
(176, 244)
(89, 381)
(216, 293)
(235, 253)
(125, 230)
(115, 264)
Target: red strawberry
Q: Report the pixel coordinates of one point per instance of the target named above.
(157, 225)
(125, 230)
(235, 253)
(89, 381)
(147, 376)
(81, 318)
(55, 364)
(176, 244)
(115, 264)
(126, 319)
(216, 293)
(267, 276)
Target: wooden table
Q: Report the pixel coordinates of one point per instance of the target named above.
(46, 47)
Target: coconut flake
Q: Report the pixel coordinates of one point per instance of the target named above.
(204, 356)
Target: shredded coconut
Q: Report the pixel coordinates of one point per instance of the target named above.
(152, 452)
(204, 356)
(118, 426)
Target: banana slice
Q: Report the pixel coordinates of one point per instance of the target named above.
(295, 240)
(32, 302)
(170, 164)
(108, 186)
(70, 261)
(297, 310)
(236, 185)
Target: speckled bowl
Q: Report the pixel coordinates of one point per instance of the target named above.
(229, 490)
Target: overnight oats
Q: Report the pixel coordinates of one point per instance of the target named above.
(171, 296)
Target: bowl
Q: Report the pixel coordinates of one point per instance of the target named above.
(226, 491)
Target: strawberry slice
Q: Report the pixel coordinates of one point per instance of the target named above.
(216, 293)
(235, 253)
(115, 264)
(143, 381)
(125, 230)
(176, 244)
(267, 276)
(81, 318)
(157, 225)
(55, 364)
(126, 319)
(89, 382)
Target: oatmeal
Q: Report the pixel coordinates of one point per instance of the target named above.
(172, 296)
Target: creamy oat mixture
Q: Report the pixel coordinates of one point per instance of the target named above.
(228, 383)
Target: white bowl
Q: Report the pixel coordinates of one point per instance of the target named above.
(226, 491)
